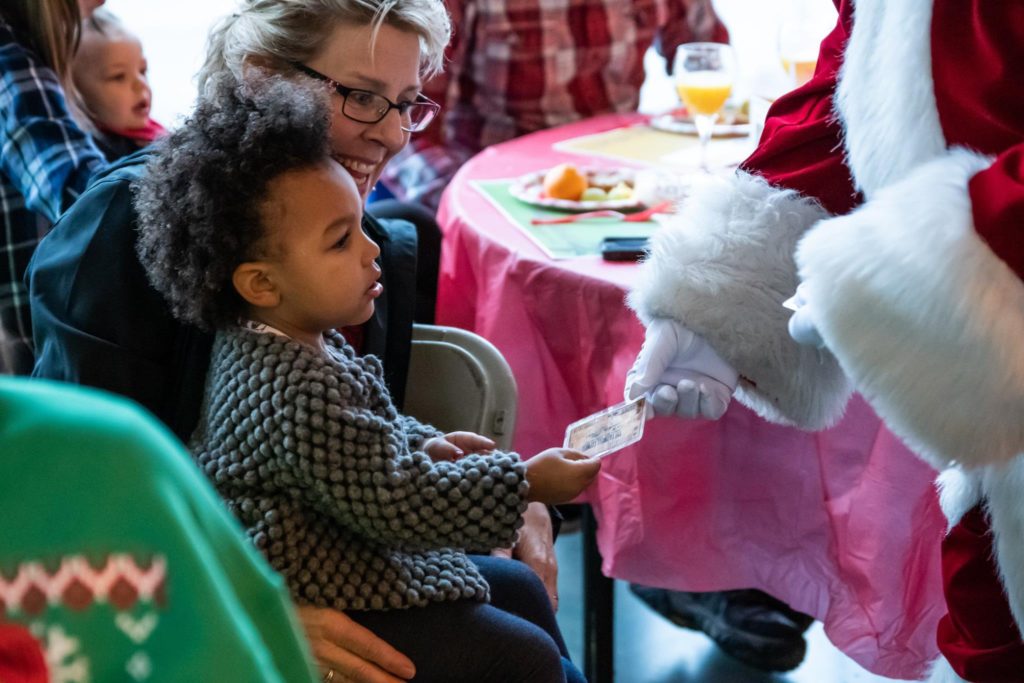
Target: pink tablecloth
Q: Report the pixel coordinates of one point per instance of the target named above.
(841, 524)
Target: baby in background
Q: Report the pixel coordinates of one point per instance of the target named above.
(109, 71)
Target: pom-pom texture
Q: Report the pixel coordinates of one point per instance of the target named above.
(325, 475)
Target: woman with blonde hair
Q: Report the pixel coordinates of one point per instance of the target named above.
(373, 55)
(47, 159)
(279, 35)
(100, 323)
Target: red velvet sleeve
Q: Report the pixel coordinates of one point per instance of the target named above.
(997, 201)
(801, 148)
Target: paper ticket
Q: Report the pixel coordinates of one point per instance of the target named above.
(609, 430)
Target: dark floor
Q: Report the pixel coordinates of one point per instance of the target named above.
(649, 649)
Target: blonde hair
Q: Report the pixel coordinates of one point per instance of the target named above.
(51, 28)
(105, 23)
(276, 33)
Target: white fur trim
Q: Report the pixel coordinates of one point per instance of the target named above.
(925, 319)
(959, 491)
(942, 672)
(886, 95)
(1004, 489)
(722, 268)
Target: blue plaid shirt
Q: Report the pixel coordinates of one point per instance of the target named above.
(45, 162)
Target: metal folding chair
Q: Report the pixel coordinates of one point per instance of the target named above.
(459, 381)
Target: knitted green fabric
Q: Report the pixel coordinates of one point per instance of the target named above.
(118, 558)
(324, 473)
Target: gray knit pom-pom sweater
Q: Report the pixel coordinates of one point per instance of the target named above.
(327, 478)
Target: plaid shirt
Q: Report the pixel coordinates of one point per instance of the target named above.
(45, 162)
(518, 66)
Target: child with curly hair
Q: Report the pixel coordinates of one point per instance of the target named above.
(110, 72)
(248, 227)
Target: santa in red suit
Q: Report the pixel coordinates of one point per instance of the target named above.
(892, 187)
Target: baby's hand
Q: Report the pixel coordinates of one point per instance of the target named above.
(558, 475)
(454, 445)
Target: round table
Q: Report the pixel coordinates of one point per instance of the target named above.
(842, 524)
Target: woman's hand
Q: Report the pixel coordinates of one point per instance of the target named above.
(454, 445)
(536, 548)
(352, 652)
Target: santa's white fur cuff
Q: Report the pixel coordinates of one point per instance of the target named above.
(722, 268)
(923, 316)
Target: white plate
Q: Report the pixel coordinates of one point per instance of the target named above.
(670, 123)
(529, 188)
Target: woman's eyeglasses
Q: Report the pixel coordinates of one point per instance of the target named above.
(364, 106)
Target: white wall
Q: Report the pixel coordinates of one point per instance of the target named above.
(174, 39)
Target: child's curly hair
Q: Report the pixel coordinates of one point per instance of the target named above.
(200, 196)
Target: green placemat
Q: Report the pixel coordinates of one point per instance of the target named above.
(567, 240)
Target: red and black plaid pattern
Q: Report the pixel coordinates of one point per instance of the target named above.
(518, 66)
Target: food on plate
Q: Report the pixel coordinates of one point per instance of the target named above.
(565, 182)
(621, 191)
(578, 188)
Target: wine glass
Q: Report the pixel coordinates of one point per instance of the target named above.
(704, 75)
(801, 29)
(798, 48)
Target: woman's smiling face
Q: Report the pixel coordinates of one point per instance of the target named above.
(389, 66)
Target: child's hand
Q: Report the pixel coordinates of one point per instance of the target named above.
(558, 475)
(454, 445)
(469, 442)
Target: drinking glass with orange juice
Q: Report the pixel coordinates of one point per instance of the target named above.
(798, 51)
(799, 70)
(801, 29)
(704, 76)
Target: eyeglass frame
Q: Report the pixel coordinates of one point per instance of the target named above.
(344, 91)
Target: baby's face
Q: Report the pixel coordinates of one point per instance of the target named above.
(110, 72)
(322, 263)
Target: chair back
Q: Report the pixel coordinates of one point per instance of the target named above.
(459, 381)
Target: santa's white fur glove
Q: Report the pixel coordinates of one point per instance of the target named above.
(802, 327)
(680, 374)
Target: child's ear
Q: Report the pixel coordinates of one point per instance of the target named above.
(253, 283)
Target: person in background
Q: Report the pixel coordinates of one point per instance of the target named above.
(891, 187)
(249, 228)
(516, 68)
(109, 70)
(125, 565)
(47, 158)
